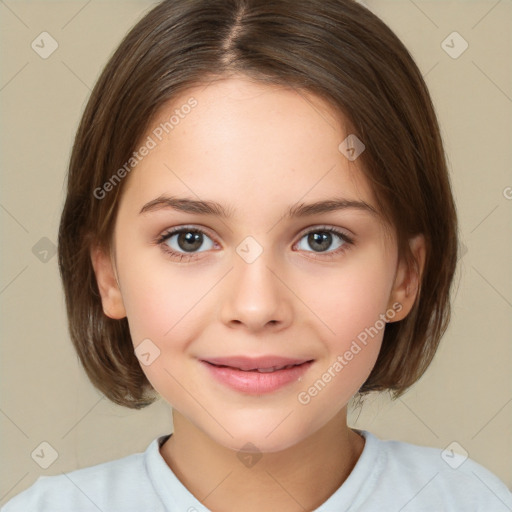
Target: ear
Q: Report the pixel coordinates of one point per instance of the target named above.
(108, 286)
(407, 280)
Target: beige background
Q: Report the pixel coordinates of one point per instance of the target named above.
(466, 395)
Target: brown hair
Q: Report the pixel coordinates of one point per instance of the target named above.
(336, 49)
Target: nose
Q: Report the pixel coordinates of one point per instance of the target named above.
(255, 296)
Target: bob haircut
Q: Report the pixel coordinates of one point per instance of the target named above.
(336, 49)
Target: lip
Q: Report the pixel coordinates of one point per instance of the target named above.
(241, 373)
(253, 363)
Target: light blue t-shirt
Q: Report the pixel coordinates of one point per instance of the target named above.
(390, 476)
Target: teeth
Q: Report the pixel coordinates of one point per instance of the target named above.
(268, 370)
(262, 370)
(274, 368)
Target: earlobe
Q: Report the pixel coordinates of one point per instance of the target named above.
(407, 283)
(108, 286)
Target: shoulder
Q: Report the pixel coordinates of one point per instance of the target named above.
(432, 477)
(122, 484)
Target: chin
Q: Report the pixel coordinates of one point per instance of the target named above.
(261, 437)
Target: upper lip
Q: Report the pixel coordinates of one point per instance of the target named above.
(255, 363)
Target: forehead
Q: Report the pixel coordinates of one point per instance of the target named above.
(246, 145)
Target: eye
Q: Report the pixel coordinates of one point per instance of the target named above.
(183, 243)
(321, 239)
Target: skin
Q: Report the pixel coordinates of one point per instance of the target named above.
(257, 150)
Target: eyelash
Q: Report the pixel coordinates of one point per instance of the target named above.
(162, 239)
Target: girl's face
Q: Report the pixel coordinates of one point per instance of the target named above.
(259, 282)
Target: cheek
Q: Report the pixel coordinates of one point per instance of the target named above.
(159, 296)
(351, 305)
(150, 312)
(353, 298)
(168, 306)
(351, 346)
(159, 312)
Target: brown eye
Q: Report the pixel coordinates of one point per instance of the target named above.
(189, 241)
(186, 240)
(321, 240)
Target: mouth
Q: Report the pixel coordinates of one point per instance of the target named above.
(269, 369)
(256, 375)
(264, 364)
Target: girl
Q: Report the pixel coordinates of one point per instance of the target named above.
(294, 146)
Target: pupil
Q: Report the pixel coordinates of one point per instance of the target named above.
(323, 240)
(190, 237)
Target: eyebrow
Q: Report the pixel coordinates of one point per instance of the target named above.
(213, 208)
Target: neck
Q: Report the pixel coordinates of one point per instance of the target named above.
(299, 478)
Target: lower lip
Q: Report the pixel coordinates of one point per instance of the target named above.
(254, 382)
